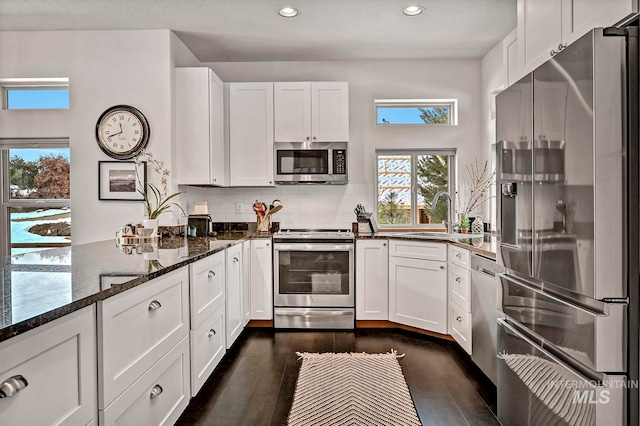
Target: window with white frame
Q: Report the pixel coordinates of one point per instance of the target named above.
(32, 93)
(416, 112)
(407, 184)
(35, 195)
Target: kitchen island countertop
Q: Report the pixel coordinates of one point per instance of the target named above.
(41, 286)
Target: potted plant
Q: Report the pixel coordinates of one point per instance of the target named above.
(464, 224)
(477, 183)
(156, 200)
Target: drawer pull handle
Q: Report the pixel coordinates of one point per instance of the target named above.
(12, 386)
(154, 305)
(458, 280)
(235, 259)
(442, 267)
(458, 255)
(459, 319)
(211, 274)
(212, 332)
(156, 391)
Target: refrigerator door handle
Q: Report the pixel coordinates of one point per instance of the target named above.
(596, 381)
(590, 306)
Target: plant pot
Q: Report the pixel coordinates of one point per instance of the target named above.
(464, 230)
(151, 223)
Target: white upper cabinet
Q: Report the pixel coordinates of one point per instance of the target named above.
(547, 26)
(512, 69)
(199, 127)
(311, 112)
(251, 134)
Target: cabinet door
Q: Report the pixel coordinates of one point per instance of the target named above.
(539, 31)
(512, 69)
(246, 282)
(207, 348)
(234, 315)
(251, 134)
(292, 112)
(261, 280)
(57, 364)
(199, 127)
(418, 293)
(330, 111)
(580, 16)
(372, 280)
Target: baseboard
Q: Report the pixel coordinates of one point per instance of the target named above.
(391, 324)
(260, 323)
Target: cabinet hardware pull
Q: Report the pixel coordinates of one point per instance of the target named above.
(156, 391)
(267, 244)
(308, 138)
(458, 319)
(384, 244)
(442, 267)
(12, 386)
(235, 259)
(458, 280)
(314, 138)
(553, 52)
(212, 332)
(211, 274)
(458, 255)
(154, 305)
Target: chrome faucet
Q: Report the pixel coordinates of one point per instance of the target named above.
(448, 223)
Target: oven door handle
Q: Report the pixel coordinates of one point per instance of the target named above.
(312, 247)
(312, 313)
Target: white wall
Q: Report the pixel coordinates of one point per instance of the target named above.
(105, 68)
(331, 206)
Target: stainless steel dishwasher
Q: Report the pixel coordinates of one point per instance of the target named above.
(484, 314)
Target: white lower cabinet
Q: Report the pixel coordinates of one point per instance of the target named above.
(261, 280)
(246, 282)
(55, 367)
(234, 314)
(418, 293)
(137, 328)
(460, 326)
(207, 348)
(460, 296)
(207, 285)
(372, 280)
(158, 397)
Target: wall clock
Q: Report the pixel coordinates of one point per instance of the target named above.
(122, 132)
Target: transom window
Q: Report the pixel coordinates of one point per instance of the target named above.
(407, 184)
(417, 112)
(25, 94)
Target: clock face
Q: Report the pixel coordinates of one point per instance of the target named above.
(122, 132)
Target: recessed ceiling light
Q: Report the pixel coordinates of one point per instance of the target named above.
(412, 10)
(288, 12)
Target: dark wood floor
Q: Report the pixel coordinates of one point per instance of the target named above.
(255, 382)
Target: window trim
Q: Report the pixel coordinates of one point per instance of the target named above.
(5, 181)
(452, 104)
(451, 152)
(8, 84)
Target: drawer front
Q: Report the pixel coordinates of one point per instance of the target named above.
(159, 397)
(460, 286)
(418, 250)
(460, 326)
(137, 328)
(207, 287)
(57, 362)
(207, 348)
(459, 256)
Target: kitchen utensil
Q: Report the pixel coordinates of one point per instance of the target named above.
(276, 202)
(275, 210)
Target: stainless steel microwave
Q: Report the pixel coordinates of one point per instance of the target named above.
(311, 163)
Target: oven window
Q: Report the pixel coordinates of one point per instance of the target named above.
(303, 162)
(314, 272)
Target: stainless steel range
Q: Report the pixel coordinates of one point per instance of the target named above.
(313, 279)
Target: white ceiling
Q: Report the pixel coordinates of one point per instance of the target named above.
(251, 30)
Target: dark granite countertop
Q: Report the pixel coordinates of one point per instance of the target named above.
(41, 286)
(485, 245)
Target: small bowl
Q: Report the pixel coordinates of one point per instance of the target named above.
(145, 232)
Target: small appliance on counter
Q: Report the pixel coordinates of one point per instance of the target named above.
(366, 222)
(200, 225)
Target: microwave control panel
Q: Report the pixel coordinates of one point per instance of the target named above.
(340, 161)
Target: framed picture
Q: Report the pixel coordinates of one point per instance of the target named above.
(122, 180)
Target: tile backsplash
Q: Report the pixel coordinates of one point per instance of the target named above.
(304, 206)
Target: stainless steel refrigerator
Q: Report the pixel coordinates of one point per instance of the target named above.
(567, 158)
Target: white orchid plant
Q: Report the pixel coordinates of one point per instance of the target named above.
(157, 200)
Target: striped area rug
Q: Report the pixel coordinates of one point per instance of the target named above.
(351, 389)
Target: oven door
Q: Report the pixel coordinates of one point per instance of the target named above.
(313, 274)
